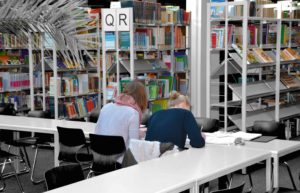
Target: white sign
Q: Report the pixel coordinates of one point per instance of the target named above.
(123, 21)
(115, 4)
(116, 19)
(109, 19)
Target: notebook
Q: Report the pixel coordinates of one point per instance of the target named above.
(264, 139)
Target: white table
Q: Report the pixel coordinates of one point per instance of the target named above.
(174, 173)
(278, 148)
(41, 125)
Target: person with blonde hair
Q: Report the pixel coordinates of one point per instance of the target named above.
(175, 124)
(124, 115)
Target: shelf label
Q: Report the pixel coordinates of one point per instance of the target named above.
(116, 19)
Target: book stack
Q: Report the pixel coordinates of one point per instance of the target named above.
(70, 85)
(266, 12)
(145, 38)
(157, 88)
(144, 11)
(174, 15)
(14, 57)
(164, 38)
(93, 81)
(180, 37)
(124, 40)
(78, 108)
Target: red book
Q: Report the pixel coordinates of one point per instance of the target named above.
(213, 40)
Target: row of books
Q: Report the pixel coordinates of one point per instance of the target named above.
(12, 41)
(145, 38)
(17, 81)
(62, 64)
(154, 13)
(258, 55)
(269, 35)
(255, 10)
(70, 85)
(14, 57)
(75, 108)
(79, 108)
(151, 38)
(19, 99)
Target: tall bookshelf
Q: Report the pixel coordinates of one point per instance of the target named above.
(260, 50)
(71, 87)
(155, 50)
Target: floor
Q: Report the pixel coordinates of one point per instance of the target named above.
(45, 161)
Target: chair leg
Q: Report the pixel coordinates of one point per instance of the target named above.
(290, 174)
(17, 178)
(34, 181)
(90, 174)
(251, 183)
(1, 176)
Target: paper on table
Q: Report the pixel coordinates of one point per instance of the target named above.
(246, 136)
(226, 140)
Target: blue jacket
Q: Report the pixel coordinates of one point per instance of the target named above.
(174, 125)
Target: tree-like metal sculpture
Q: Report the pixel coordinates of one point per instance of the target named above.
(60, 19)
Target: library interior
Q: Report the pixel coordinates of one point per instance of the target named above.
(150, 96)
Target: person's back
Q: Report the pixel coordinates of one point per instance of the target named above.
(174, 125)
(123, 117)
(118, 120)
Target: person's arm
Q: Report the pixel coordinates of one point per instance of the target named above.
(134, 125)
(193, 131)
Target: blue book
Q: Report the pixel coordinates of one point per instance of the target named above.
(217, 11)
(124, 40)
(110, 40)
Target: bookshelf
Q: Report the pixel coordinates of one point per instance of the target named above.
(260, 57)
(154, 50)
(71, 86)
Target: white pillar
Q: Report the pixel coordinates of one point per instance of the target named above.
(198, 56)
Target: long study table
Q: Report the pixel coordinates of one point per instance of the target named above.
(40, 125)
(175, 172)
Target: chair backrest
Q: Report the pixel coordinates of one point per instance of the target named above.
(38, 114)
(207, 124)
(106, 150)
(8, 109)
(269, 128)
(63, 175)
(70, 141)
(94, 115)
(42, 137)
(237, 189)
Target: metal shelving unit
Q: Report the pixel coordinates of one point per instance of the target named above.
(233, 63)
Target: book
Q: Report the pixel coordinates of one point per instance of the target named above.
(124, 40)
(110, 40)
(261, 56)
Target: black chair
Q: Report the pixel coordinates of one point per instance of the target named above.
(237, 189)
(38, 140)
(273, 128)
(63, 175)
(269, 128)
(207, 124)
(72, 144)
(106, 150)
(7, 157)
(7, 136)
(94, 115)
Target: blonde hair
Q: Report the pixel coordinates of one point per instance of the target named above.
(137, 90)
(176, 98)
